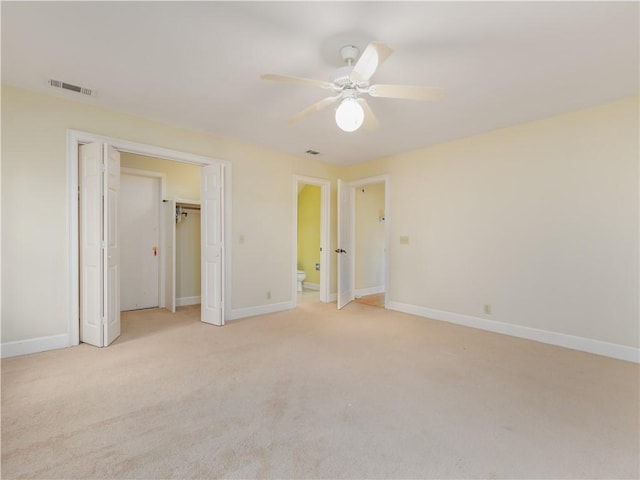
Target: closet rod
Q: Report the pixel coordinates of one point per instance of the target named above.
(184, 205)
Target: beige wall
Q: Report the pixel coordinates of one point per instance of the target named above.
(538, 220)
(182, 179)
(369, 236)
(34, 175)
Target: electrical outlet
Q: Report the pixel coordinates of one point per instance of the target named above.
(487, 309)
(241, 239)
(404, 240)
(268, 294)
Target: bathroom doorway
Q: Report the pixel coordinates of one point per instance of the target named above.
(311, 240)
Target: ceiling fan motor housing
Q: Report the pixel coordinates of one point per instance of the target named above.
(342, 76)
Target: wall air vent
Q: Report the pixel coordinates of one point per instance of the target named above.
(74, 88)
(311, 152)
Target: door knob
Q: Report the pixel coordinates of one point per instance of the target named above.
(339, 250)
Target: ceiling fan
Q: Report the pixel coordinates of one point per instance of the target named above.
(350, 82)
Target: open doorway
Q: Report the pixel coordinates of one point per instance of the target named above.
(363, 241)
(214, 176)
(311, 240)
(370, 238)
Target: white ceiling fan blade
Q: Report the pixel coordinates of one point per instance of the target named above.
(314, 108)
(299, 80)
(408, 92)
(370, 120)
(369, 61)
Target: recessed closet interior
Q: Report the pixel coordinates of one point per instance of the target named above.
(182, 186)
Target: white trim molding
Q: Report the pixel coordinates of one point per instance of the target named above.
(183, 301)
(598, 347)
(34, 345)
(311, 286)
(363, 292)
(237, 313)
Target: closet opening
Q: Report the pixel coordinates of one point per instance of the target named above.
(182, 252)
(155, 258)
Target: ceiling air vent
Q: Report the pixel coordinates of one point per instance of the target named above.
(74, 88)
(311, 152)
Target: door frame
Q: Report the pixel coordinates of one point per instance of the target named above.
(162, 272)
(75, 138)
(325, 241)
(386, 179)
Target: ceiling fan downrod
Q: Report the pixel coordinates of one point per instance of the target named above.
(349, 53)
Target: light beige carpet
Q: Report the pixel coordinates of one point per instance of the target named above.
(312, 392)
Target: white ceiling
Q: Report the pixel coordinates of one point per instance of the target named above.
(198, 64)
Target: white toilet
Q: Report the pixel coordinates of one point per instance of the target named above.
(300, 276)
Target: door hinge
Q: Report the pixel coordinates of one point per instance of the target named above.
(103, 244)
(103, 167)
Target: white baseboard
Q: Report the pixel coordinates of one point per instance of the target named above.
(311, 286)
(613, 350)
(362, 292)
(34, 345)
(237, 313)
(181, 302)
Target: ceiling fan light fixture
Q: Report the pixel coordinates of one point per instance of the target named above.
(349, 115)
(351, 82)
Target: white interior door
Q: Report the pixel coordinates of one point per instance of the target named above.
(90, 225)
(345, 235)
(111, 290)
(139, 242)
(170, 255)
(211, 209)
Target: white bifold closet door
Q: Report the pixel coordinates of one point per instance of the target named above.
(211, 208)
(99, 178)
